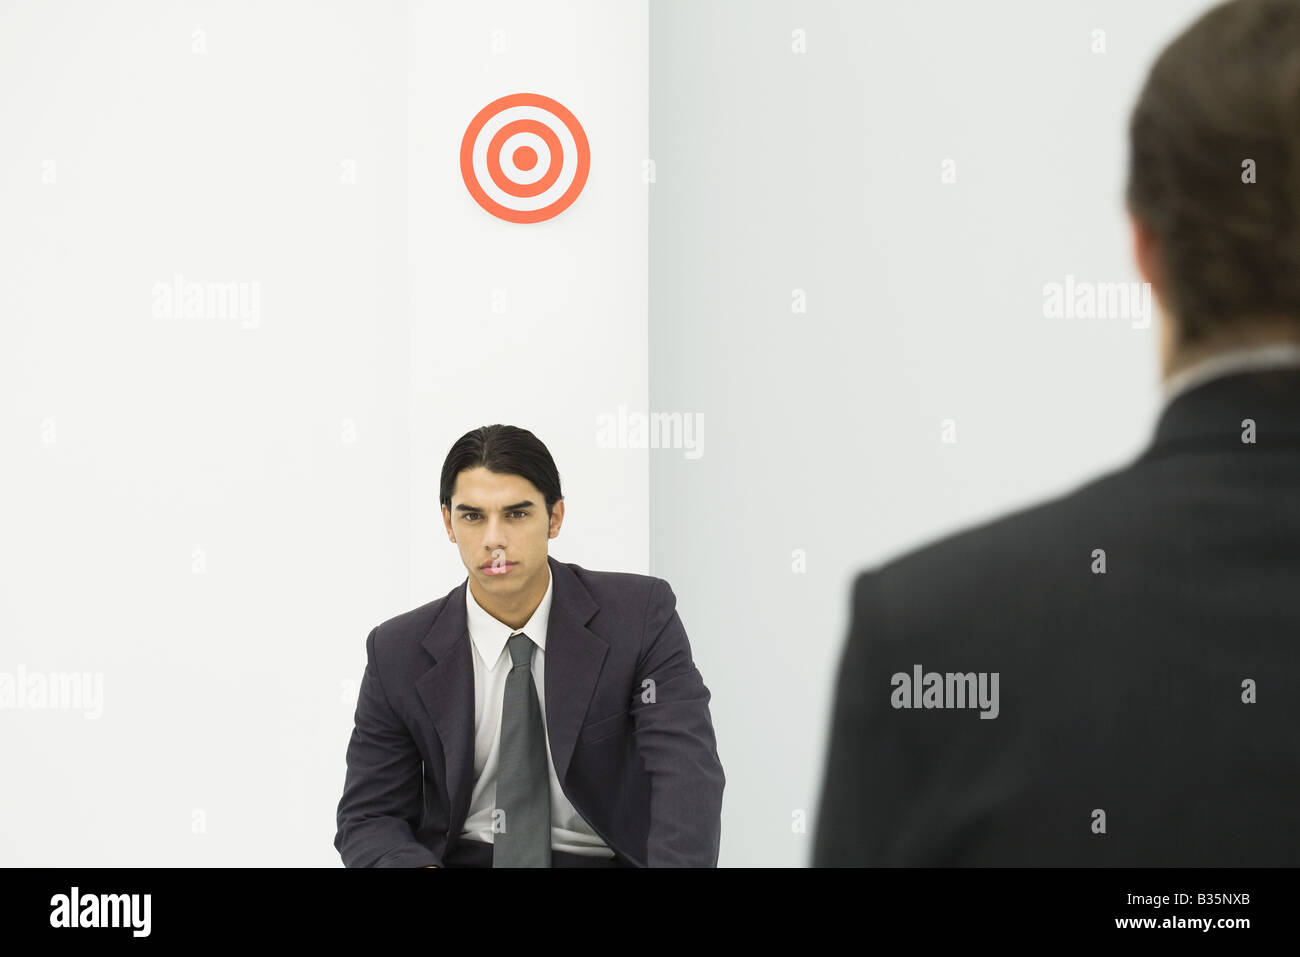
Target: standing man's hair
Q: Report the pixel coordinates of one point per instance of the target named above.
(506, 450)
(1227, 90)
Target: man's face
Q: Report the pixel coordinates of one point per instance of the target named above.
(500, 525)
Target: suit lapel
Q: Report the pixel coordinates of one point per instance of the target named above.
(447, 692)
(574, 656)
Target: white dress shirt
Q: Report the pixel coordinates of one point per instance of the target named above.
(1273, 356)
(569, 831)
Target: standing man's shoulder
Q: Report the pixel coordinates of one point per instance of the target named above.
(995, 562)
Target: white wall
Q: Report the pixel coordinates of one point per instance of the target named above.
(208, 514)
(539, 325)
(821, 171)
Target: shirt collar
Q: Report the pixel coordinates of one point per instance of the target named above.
(489, 635)
(1272, 356)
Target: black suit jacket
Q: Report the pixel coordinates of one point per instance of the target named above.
(641, 768)
(1119, 692)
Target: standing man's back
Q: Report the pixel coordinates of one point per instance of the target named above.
(1163, 691)
(1113, 677)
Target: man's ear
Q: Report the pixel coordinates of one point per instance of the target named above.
(1150, 264)
(1146, 252)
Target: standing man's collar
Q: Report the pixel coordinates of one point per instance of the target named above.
(1272, 356)
(1250, 404)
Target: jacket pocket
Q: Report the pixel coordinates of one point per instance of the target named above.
(602, 728)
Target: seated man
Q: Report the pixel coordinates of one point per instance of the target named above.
(537, 715)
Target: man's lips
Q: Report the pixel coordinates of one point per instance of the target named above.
(497, 568)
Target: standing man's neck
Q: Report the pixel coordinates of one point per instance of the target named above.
(1176, 359)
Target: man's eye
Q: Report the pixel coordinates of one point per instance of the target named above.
(520, 512)
(468, 515)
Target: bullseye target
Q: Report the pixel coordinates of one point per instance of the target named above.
(524, 158)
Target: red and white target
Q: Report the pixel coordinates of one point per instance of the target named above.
(524, 158)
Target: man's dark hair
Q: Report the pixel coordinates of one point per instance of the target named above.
(1226, 90)
(506, 450)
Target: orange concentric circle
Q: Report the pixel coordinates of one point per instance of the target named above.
(531, 120)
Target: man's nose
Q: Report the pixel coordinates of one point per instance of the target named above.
(495, 534)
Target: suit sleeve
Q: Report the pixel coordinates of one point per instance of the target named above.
(382, 792)
(674, 735)
(860, 802)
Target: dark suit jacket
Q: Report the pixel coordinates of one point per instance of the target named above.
(1120, 692)
(644, 773)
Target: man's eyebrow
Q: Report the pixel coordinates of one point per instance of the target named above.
(508, 508)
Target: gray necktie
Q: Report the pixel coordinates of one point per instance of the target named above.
(523, 785)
